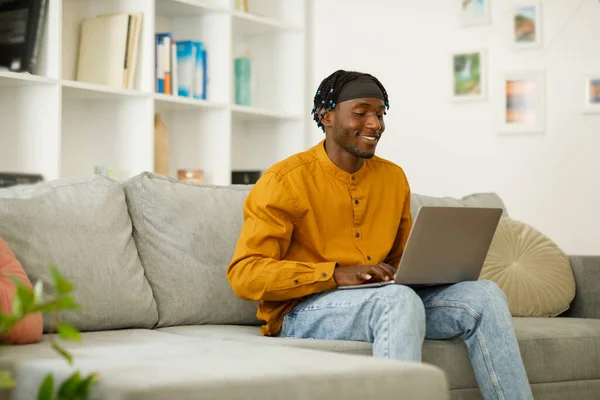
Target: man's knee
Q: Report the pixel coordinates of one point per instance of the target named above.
(402, 298)
(484, 294)
(489, 290)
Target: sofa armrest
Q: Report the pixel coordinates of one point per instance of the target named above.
(587, 297)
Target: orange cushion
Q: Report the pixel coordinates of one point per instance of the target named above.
(30, 329)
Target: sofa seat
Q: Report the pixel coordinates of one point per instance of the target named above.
(147, 364)
(251, 334)
(543, 341)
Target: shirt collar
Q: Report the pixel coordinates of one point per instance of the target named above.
(329, 166)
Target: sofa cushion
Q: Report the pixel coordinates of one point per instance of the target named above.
(186, 234)
(486, 200)
(153, 365)
(82, 226)
(553, 349)
(252, 335)
(534, 273)
(28, 330)
(572, 390)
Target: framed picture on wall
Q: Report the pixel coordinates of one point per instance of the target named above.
(522, 103)
(527, 25)
(469, 75)
(592, 94)
(475, 12)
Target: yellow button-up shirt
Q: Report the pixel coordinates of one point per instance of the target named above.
(303, 217)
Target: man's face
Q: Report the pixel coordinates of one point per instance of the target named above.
(357, 125)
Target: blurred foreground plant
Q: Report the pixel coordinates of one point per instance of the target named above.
(30, 301)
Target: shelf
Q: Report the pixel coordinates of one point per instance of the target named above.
(164, 102)
(92, 91)
(187, 8)
(244, 23)
(247, 24)
(8, 78)
(254, 114)
(80, 125)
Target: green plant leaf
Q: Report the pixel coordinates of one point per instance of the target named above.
(64, 353)
(61, 284)
(6, 380)
(17, 307)
(68, 303)
(61, 304)
(47, 388)
(68, 332)
(47, 307)
(23, 291)
(38, 292)
(7, 322)
(83, 390)
(67, 389)
(26, 296)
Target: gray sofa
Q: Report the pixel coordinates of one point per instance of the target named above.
(148, 260)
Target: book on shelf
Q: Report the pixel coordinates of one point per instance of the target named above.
(163, 62)
(22, 23)
(8, 179)
(241, 5)
(180, 67)
(108, 49)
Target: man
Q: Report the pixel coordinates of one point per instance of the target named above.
(338, 215)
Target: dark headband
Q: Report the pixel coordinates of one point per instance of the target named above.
(362, 87)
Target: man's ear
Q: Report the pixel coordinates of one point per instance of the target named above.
(327, 119)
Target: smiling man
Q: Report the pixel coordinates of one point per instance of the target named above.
(337, 215)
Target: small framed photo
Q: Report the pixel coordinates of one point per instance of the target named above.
(592, 94)
(523, 102)
(527, 25)
(469, 75)
(475, 12)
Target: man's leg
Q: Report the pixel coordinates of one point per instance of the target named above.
(391, 317)
(479, 311)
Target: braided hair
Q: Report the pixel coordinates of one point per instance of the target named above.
(326, 97)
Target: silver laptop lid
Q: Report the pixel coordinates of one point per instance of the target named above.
(447, 244)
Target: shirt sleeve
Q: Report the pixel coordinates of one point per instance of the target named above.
(404, 228)
(258, 270)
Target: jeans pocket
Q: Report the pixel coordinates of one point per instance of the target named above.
(286, 326)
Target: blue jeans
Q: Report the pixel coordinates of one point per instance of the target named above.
(397, 319)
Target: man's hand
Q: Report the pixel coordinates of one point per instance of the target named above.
(350, 276)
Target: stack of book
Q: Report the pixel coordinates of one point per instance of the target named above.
(108, 49)
(22, 23)
(180, 67)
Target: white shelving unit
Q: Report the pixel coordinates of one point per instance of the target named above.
(56, 126)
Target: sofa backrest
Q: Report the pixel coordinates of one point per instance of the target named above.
(186, 234)
(150, 252)
(82, 226)
(485, 200)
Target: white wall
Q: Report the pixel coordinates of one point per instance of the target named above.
(551, 181)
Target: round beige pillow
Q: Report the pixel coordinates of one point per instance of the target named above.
(534, 273)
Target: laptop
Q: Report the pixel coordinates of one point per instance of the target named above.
(446, 245)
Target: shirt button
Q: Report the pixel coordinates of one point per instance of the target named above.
(369, 258)
(324, 274)
(296, 281)
(356, 201)
(357, 234)
(353, 178)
